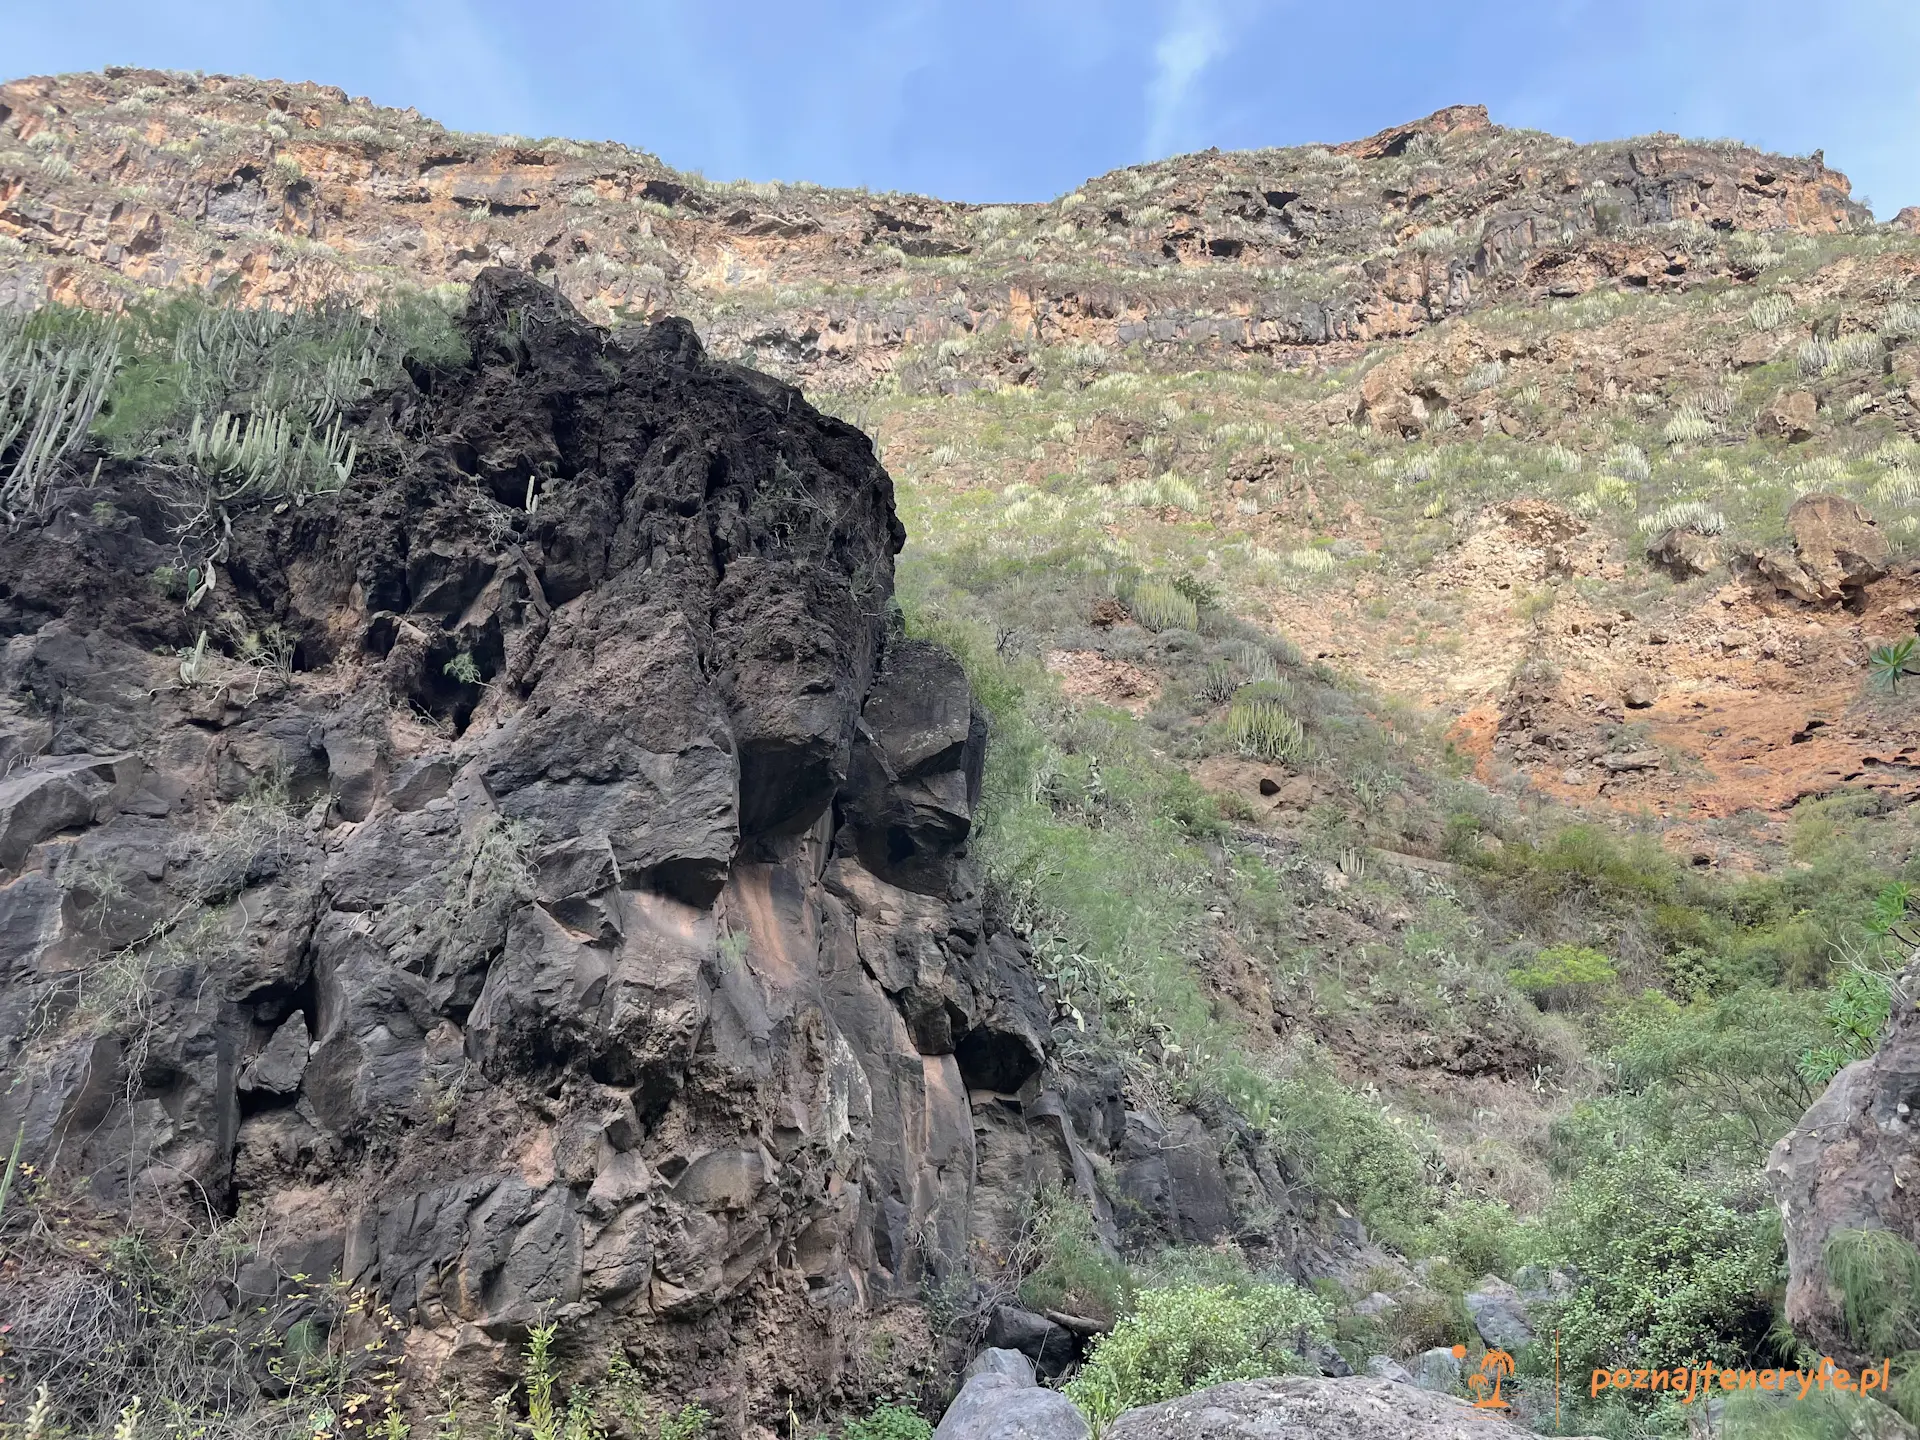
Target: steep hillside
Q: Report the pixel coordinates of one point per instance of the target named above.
(1550, 309)
(1441, 818)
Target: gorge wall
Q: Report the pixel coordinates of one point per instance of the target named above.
(575, 921)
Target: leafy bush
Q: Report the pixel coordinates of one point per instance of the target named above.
(689, 1422)
(1187, 1338)
(1562, 975)
(1860, 1001)
(1856, 1013)
(1671, 1271)
(888, 1420)
(1074, 1271)
(1717, 1077)
(1349, 1149)
(1586, 858)
(1479, 1237)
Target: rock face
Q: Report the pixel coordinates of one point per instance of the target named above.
(1684, 553)
(1851, 1164)
(1302, 1408)
(1791, 416)
(200, 181)
(583, 925)
(1837, 551)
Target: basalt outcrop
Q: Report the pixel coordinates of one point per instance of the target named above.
(533, 881)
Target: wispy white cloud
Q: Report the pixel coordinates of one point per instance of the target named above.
(1194, 38)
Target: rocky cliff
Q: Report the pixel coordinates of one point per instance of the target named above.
(286, 193)
(544, 890)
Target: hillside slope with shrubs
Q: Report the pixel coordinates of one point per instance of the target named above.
(1437, 606)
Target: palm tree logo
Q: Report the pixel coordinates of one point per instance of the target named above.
(1496, 1366)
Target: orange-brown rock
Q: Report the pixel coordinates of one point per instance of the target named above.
(1684, 553)
(1792, 416)
(1837, 543)
(287, 193)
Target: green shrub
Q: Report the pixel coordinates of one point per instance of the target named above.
(1160, 606)
(1856, 1013)
(1350, 1150)
(1258, 727)
(1878, 1276)
(689, 1422)
(1587, 858)
(1822, 1415)
(1563, 975)
(1719, 1076)
(1075, 1273)
(1479, 1237)
(1187, 1338)
(889, 1420)
(1111, 906)
(1671, 1271)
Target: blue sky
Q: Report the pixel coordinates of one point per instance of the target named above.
(1023, 99)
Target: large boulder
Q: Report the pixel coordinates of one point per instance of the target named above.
(1791, 415)
(1837, 550)
(1047, 1347)
(1684, 553)
(1001, 1401)
(1499, 1313)
(1437, 1370)
(1296, 1407)
(1851, 1164)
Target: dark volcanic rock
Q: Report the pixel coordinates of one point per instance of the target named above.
(585, 926)
(585, 923)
